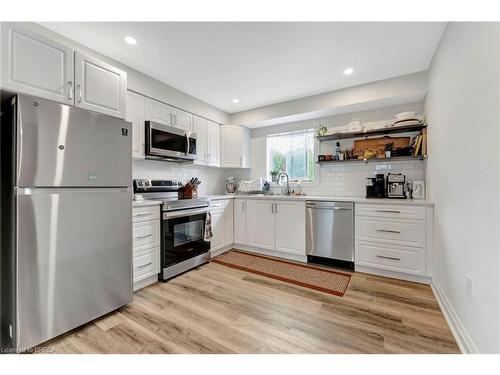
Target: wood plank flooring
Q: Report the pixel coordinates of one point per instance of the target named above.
(217, 309)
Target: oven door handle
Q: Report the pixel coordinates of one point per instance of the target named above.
(184, 213)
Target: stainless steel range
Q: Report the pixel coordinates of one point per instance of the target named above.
(182, 226)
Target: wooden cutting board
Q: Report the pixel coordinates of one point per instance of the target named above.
(378, 144)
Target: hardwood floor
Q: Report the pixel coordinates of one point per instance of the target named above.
(217, 309)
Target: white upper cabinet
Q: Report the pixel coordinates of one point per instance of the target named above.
(165, 114)
(35, 65)
(99, 86)
(156, 111)
(135, 114)
(213, 143)
(235, 147)
(207, 142)
(201, 130)
(182, 119)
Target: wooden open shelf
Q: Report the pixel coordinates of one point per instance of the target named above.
(375, 132)
(372, 160)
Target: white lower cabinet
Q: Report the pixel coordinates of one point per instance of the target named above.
(146, 245)
(278, 226)
(240, 221)
(221, 211)
(260, 223)
(393, 240)
(290, 227)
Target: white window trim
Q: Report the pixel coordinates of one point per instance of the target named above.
(317, 171)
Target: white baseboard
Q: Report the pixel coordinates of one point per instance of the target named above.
(392, 274)
(458, 330)
(272, 253)
(145, 282)
(214, 253)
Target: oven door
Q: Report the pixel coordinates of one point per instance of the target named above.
(182, 235)
(167, 142)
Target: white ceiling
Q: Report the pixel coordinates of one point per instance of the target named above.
(261, 63)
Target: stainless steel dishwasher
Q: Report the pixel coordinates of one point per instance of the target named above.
(330, 233)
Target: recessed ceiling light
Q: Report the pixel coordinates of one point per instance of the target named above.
(130, 40)
(236, 100)
(348, 71)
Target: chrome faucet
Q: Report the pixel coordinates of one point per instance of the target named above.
(287, 192)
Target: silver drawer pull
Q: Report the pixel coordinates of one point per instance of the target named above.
(384, 257)
(137, 215)
(388, 231)
(145, 265)
(142, 237)
(389, 211)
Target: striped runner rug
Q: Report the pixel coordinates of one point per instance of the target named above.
(320, 279)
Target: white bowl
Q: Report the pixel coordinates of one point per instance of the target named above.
(406, 116)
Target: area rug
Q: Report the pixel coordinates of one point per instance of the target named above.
(320, 279)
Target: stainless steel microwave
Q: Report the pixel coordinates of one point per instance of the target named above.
(164, 142)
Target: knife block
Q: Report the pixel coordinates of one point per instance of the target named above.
(188, 191)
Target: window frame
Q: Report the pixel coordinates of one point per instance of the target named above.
(316, 170)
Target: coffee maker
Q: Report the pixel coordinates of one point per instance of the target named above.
(396, 185)
(375, 187)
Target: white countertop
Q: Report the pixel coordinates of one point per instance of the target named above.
(415, 202)
(145, 202)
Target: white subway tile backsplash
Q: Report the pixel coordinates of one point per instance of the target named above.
(213, 179)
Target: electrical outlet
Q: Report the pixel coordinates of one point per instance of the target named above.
(468, 285)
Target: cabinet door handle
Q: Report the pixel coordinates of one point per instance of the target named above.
(144, 265)
(79, 87)
(389, 211)
(142, 237)
(170, 118)
(175, 119)
(276, 208)
(243, 206)
(388, 231)
(138, 215)
(70, 90)
(390, 258)
(241, 161)
(272, 208)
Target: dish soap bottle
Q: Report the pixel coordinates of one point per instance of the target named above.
(337, 151)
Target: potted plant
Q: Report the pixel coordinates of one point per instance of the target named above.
(274, 174)
(388, 149)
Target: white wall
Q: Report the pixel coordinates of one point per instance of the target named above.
(393, 91)
(462, 108)
(342, 180)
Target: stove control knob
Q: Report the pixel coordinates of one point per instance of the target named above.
(140, 183)
(179, 183)
(147, 183)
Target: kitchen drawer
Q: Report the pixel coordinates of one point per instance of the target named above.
(391, 257)
(390, 210)
(146, 234)
(145, 213)
(404, 232)
(146, 264)
(217, 205)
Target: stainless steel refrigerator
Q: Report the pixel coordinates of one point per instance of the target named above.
(66, 219)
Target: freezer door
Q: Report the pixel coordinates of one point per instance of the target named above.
(59, 145)
(74, 259)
